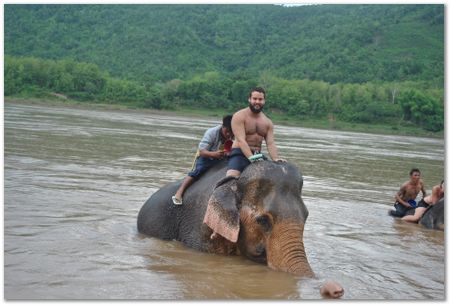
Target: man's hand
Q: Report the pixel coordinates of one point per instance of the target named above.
(257, 157)
(219, 154)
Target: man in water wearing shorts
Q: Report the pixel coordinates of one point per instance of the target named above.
(406, 196)
(208, 154)
(436, 193)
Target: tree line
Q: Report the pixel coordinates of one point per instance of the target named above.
(393, 103)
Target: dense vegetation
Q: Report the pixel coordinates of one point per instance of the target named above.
(407, 102)
(332, 43)
(355, 63)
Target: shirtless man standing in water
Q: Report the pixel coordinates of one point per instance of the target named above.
(250, 127)
(408, 192)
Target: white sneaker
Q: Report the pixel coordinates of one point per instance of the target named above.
(176, 201)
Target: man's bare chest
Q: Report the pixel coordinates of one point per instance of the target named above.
(413, 189)
(256, 127)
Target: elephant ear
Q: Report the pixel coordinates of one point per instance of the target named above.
(222, 214)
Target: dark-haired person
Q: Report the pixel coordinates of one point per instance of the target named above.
(406, 196)
(250, 127)
(210, 151)
(437, 193)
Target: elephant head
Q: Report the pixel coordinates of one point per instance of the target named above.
(263, 212)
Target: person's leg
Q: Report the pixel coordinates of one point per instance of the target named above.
(233, 172)
(417, 214)
(200, 167)
(400, 210)
(237, 162)
(184, 185)
(197, 169)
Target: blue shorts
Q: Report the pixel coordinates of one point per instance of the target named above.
(201, 166)
(237, 160)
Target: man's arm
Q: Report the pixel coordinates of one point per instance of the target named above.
(238, 127)
(205, 144)
(218, 154)
(270, 143)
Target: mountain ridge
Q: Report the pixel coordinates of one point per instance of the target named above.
(158, 42)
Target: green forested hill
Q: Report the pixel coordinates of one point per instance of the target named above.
(370, 64)
(149, 43)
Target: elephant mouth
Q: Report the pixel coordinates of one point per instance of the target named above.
(260, 257)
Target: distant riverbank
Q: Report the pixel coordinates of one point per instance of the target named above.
(329, 124)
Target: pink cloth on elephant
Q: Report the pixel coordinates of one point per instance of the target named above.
(215, 220)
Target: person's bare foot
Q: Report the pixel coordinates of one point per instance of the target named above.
(331, 290)
(177, 201)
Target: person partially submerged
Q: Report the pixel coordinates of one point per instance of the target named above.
(406, 196)
(437, 193)
(210, 151)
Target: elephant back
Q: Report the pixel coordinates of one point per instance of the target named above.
(160, 218)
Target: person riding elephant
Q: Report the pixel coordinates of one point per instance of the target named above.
(251, 127)
(264, 203)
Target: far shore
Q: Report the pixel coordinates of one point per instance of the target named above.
(218, 113)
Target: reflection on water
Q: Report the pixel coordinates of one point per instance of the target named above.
(75, 180)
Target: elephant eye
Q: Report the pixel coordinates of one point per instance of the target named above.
(265, 222)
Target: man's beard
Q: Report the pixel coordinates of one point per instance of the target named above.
(253, 109)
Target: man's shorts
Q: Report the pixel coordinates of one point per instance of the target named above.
(400, 210)
(201, 166)
(237, 160)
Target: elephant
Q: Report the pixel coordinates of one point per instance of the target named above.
(433, 218)
(263, 206)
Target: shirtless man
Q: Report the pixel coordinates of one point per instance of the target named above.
(436, 193)
(250, 127)
(405, 197)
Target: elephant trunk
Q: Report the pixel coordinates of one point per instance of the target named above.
(285, 250)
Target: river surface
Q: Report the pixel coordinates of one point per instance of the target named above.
(75, 179)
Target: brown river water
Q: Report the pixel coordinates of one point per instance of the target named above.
(75, 179)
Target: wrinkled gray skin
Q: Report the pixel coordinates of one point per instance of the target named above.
(266, 199)
(433, 218)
